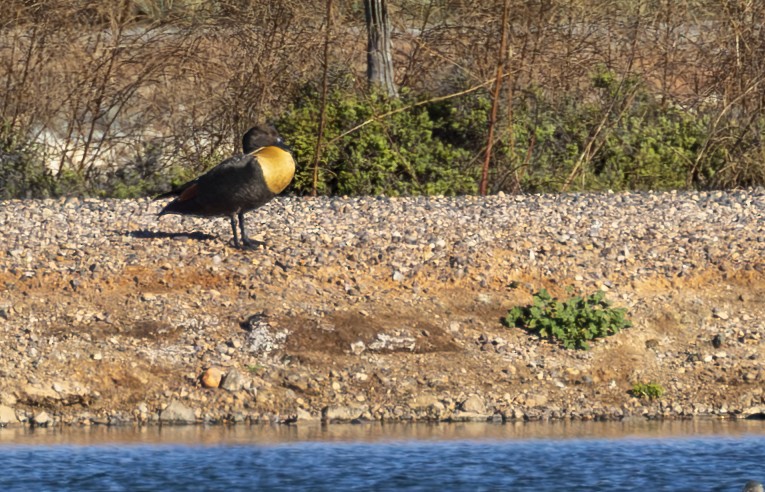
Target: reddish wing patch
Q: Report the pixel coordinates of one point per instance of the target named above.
(189, 193)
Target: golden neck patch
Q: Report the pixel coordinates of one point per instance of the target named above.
(278, 167)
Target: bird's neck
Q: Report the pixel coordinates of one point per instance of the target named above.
(278, 167)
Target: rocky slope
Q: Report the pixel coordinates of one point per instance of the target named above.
(378, 308)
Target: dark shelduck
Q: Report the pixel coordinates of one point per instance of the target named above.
(238, 184)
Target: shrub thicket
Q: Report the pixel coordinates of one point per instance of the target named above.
(436, 147)
(599, 94)
(407, 152)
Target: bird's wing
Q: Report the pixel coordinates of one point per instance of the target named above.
(226, 168)
(188, 190)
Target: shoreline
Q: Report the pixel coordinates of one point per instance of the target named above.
(379, 309)
(371, 432)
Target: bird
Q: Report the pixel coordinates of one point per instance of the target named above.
(238, 184)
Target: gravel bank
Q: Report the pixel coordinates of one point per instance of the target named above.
(378, 308)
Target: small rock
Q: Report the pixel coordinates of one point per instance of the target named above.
(262, 337)
(234, 381)
(358, 347)
(753, 486)
(392, 343)
(38, 393)
(7, 415)
(720, 314)
(97, 356)
(425, 402)
(298, 381)
(211, 378)
(483, 298)
(536, 400)
(177, 413)
(305, 416)
(718, 340)
(42, 419)
(342, 412)
(474, 404)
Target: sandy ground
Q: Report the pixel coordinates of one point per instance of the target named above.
(119, 325)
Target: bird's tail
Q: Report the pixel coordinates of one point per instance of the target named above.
(166, 195)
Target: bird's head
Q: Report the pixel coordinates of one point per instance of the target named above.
(261, 136)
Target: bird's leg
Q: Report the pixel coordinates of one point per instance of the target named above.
(247, 242)
(233, 230)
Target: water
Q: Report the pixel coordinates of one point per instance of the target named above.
(572, 457)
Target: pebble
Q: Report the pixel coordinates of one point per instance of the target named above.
(211, 377)
(718, 340)
(358, 347)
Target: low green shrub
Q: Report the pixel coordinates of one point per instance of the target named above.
(647, 390)
(572, 323)
(641, 145)
(403, 153)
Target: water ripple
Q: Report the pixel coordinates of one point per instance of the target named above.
(708, 463)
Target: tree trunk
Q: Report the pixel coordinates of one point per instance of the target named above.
(379, 58)
(323, 108)
(495, 100)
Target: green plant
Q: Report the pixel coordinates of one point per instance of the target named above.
(401, 153)
(572, 322)
(647, 390)
(254, 369)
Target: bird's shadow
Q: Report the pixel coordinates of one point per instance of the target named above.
(146, 234)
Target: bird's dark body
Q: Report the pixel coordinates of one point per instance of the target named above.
(238, 184)
(235, 185)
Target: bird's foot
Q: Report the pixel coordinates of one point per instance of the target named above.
(246, 244)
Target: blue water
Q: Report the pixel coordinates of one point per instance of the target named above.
(705, 463)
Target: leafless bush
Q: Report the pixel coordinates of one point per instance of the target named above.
(98, 83)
